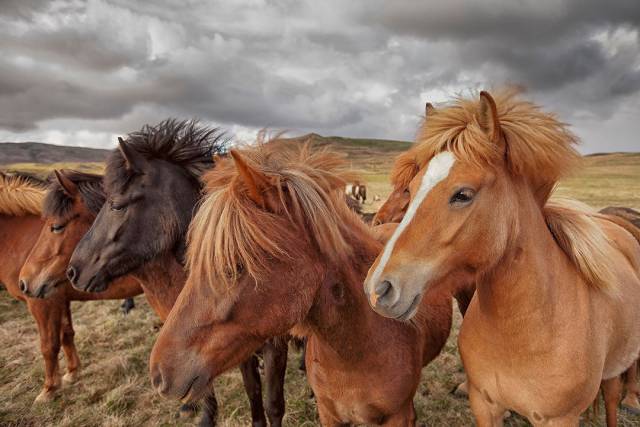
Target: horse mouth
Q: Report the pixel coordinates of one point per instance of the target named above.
(46, 290)
(411, 311)
(195, 389)
(95, 285)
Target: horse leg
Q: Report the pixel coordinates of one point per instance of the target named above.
(303, 357)
(210, 410)
(275, 366)
(630, 401)
(48, 316)
(127, 305)
(611, 391)
(486, 413)
(253, 388)
(326, 418)
(463, 298)
(69, 347)
(404, 418)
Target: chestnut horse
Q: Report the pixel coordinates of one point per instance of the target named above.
(274, 231)
(152, 185)
(21, 198)
(555, 314)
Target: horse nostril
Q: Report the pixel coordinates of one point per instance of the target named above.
(384, 291)
(23, 286)
(72, 274)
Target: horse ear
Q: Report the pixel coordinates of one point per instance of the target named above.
(489, 116)
(429, 109)
(255, 181)
(133, 160)
(68, 186)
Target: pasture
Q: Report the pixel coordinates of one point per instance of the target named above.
(114, 387)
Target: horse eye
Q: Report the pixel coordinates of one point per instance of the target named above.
(462, 197)
(57, 228)
(117, 208)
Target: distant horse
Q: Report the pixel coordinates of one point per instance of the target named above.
(21, 198)
(555, 314)
(356, 190)
(152, 185)
(274, 232)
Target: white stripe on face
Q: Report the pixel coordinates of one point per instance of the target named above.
(438, 169)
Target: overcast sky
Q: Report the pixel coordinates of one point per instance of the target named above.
(81, 73)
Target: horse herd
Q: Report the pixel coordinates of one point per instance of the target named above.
(239, 251)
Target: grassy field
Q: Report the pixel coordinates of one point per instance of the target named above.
(114, 388)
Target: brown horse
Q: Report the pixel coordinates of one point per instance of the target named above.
(20, 224)
(274, 231)
(152, 185)
(555, 314)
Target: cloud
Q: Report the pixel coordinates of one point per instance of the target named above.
(74, 70)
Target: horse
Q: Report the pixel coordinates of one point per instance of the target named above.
(152, 185)
(21, 198)
(357, 191)
(274, 231)
(554, 317)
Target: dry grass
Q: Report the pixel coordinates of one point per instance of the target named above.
(114, 388)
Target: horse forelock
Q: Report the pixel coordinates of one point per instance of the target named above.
(535, 144)
(230, 233)
(185, 143)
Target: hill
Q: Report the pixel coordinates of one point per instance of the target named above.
(38, 152)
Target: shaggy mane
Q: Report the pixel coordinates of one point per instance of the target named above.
(538, 146)
(21, 194)
(230, 233)
(574, 227)
(185, 143)
(58, 203)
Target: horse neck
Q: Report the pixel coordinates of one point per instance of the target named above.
(531, 277)
(341, 322)
(162, 279)
(18, 235)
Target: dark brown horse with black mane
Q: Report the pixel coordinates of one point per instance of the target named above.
(152, 185)
(274, 231)
(21, 198)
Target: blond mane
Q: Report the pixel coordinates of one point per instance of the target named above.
(21, 195)
(574, 227)
(538, 146)
(230, 233)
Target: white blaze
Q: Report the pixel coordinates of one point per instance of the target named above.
(437, 170)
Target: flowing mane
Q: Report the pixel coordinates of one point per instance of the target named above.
(21, 194)
(184, 143)
(538, 146)
(230, 232)
(58, 203)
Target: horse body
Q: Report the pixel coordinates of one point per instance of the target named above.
(152, 185)
(569, 318)
(19, 231)
(555, 313)
(362, 368)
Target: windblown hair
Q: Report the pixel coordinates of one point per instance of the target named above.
(574, 227)
(538, 146)
(405, 168)
(58, 203)
(21, 194)
(230, 233)
(185, 143)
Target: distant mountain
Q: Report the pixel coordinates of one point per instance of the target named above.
(37, 152)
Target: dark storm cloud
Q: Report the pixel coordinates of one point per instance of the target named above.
(350, 68)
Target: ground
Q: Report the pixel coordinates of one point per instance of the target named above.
(114, 387)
